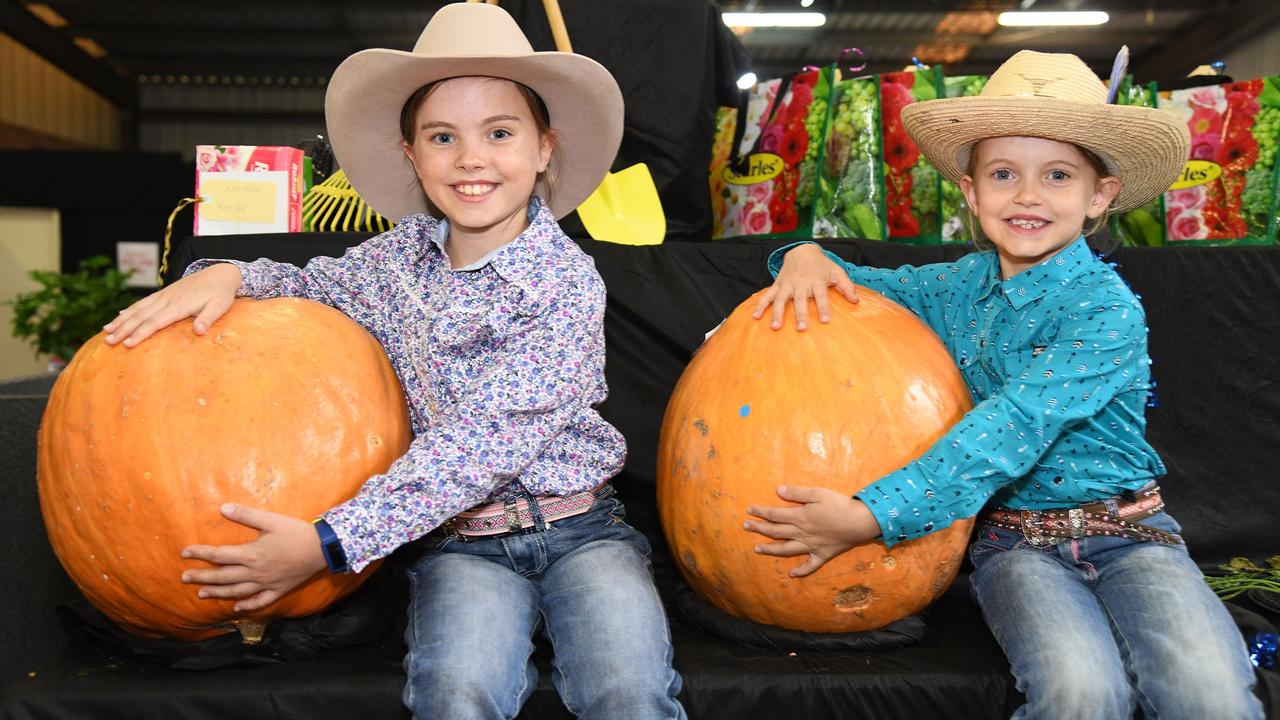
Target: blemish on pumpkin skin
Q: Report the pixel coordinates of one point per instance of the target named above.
(853, 598)
(689, 561)
(711, 454)
(701, 425)
(889, 562)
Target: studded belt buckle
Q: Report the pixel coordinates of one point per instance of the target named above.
(1076, 521)
(512, 515)
(1032, 530)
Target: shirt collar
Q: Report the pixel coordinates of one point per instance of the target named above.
(1054, 273)
(527, 261)
(441, 235)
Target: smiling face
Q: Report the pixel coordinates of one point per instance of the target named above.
(477, 150)
(1032, 197)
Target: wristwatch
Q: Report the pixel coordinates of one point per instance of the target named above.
(334, 556)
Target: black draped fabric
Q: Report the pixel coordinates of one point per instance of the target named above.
(675, 62)
(102, 197)
(1215, 342)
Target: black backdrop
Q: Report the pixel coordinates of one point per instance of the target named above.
(1215, 341)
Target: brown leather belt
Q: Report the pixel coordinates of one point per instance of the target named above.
(1114, 517)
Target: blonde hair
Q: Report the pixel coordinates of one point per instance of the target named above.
(981, 242)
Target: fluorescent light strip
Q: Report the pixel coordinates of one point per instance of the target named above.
(767, 19)
(1052, 19)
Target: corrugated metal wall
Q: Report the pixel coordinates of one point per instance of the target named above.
(38, 96)
(175, 116)
(1260, 57)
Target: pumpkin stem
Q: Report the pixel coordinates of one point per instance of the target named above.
(250, 631)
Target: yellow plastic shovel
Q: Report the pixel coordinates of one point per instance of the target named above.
(625, 208)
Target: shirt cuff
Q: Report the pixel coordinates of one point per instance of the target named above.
(775, 257)
(242, 291)
(899, 503)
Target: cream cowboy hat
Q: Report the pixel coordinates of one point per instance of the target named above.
(1055, 96)
(366, 93)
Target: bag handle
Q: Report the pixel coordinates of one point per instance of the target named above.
(738, 161)
(554, 18)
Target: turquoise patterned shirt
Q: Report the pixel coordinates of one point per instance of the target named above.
(1056, 360)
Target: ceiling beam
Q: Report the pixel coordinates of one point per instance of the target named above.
(58, 49)
(1205, 39)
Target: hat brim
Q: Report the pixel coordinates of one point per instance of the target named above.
(1145, 148)
(368, 90)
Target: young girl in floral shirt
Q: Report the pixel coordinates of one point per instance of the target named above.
(493, 320)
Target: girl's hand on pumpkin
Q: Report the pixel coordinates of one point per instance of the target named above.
(286, 553)
(205, 295)
(806, 273)
(823, 525)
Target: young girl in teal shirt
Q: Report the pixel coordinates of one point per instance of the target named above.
(1080, 574)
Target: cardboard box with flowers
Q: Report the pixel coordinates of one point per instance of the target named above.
(767, 187)
(1227, 192)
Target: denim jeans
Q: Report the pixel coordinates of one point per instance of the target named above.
(1101, 626)
(584, 580)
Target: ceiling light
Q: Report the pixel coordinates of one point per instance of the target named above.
(746, 81)
(770, 19)
(806, 3)
(1046, 18)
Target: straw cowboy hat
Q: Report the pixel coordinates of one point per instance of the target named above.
(367, 91)
(1055, 96)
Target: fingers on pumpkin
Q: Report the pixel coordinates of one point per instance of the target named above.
(790, 548)
(846, 287)
(775, 514)
(217, 554)
(763, 302)
(229, 592)
(259, 601)
(808, 567)
(253, 517)
(773, 530)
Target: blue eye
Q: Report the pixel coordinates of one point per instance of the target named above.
(1002, 175)
(500, 134)
(1059, 175)
(442, 138)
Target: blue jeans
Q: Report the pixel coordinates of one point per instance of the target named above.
(585, 580)
(1100, 626)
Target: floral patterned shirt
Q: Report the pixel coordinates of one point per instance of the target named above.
(1056, 359)
(502, 363)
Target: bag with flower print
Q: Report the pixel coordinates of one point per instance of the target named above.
(1227, 192)
(912, 186)
(766, 156)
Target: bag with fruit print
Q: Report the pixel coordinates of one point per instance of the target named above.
(850, 202)
(1226, 194)
(1142, 226)
(765, 158)
(955, 222)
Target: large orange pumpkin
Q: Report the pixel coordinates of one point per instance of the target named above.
(284, 404)
(837, 406)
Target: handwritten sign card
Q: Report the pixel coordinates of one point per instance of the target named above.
(248, 189)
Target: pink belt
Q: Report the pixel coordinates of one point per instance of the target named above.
(514, 515)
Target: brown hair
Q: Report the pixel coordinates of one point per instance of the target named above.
(975, 230)
(541, 119)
